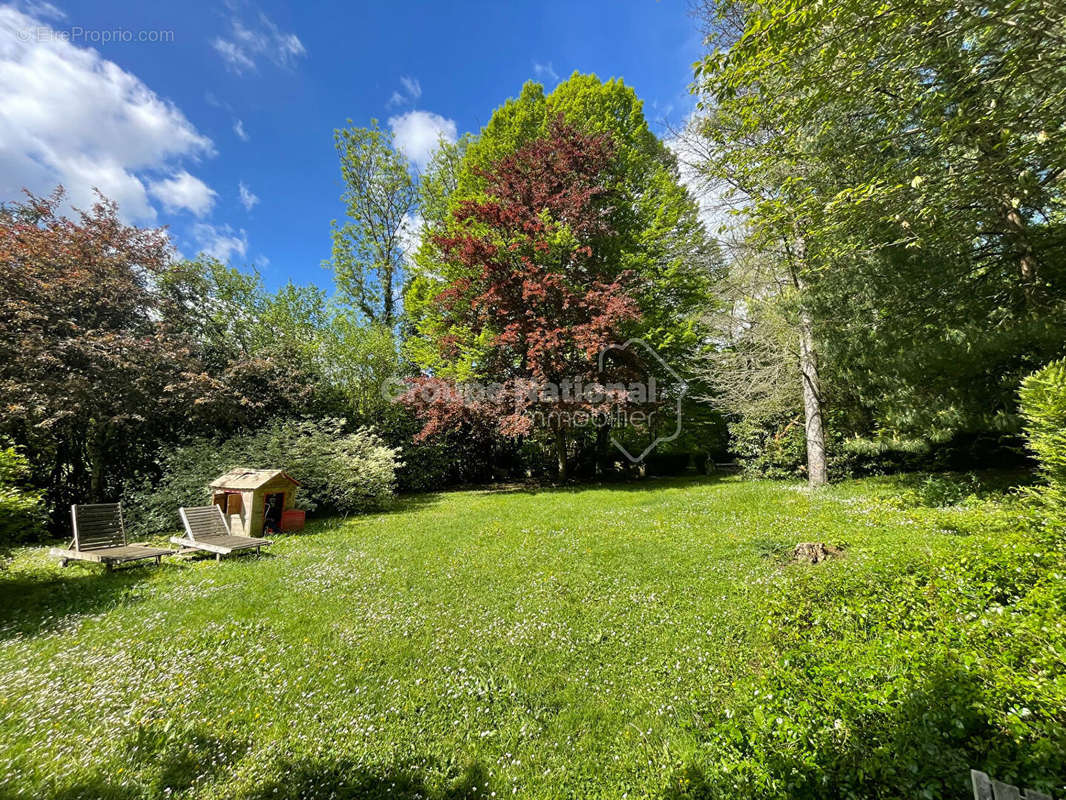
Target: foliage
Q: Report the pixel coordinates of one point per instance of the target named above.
(284, 353)
(111, 352)
(341, 471)
(380, 198)
(439, 181)
(1043, 406)
(90, 376)
(772, 446)
(1043, 403)
(942, 490)
(769, 447)
(927, 350)
(911, 154)
(360, 362)
(659, 237)
(540, 297)
(896, 682)
(643, 639)
(949, 143)
(21, 508)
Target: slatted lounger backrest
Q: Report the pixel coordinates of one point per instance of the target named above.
(203, 522)
(98, 526)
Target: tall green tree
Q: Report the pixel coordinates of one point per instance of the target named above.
(775, 180)
(380, 198)
(912, 158)
(257, 353)
(953, 111)
(660, 237)
(543, 297)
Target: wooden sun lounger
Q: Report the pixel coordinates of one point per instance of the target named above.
(100, 536)
(206, 529)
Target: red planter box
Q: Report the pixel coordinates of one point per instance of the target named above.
(293, 519)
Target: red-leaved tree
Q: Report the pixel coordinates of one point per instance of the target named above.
(541, 294)
(84, 365)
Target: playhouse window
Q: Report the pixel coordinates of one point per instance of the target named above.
(229, 502)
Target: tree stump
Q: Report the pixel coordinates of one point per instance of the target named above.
(814, 552)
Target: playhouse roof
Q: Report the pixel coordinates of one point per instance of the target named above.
(241, 478)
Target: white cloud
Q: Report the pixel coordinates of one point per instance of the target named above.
(408, 94)
(545, 71)
(43, 10)
(411, 230)
(213, 100)
(236, 59)
(242, 134)
(417, 134)
(412, 87)
(220, 241)
(183, 192)
(248, 198)
(247, 42)
(69, 116)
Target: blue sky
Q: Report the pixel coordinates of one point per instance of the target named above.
(225, 132)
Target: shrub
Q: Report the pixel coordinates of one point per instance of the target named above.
(341, 472)
(942, 490)
(1043, 405)
(448, 459)
(21, 509)
(776, 447)
(773, 448)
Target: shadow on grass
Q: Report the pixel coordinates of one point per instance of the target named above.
(158, 762)
(632, 485)
(31, 603)
(176, 765)
(399, 505)
(344, 780)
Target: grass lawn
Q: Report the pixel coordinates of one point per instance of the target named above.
(593, 642)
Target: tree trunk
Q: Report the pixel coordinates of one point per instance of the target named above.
(817, 469)
(603, 442)
(560, 454)
(95, 454)
(1027, 264)
(386, 291)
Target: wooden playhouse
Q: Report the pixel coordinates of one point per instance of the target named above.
(250, 497)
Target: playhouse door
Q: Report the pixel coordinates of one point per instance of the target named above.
(273, 505)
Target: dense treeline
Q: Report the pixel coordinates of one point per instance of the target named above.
(886, 265)
(113, 353)
(896, 183)
(118, 357)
